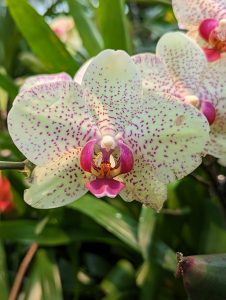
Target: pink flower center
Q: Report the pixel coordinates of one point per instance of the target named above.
(214, 33)
(106, 159)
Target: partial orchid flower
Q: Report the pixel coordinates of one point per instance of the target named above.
(206, 22)
(180, 68)
(107, 135)
(6, 204)
(65, 28)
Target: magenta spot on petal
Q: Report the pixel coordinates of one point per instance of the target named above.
(101, 187)
(86, 155)
(212, 54)
(209, 111)
(206, 27)
(126, 158)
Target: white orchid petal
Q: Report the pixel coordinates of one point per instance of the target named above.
(154, 73)
(81, 72)
(184, 59)
(44, 78)
(217, 144)
(142, 185)
(190, 13)
(170, 135)
(114, 89)
(49, 118)
(57, 183)
(213, 89)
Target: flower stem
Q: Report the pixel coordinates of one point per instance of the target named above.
(9, 165)
(22, 271)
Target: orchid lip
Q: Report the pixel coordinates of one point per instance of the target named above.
(105, 159)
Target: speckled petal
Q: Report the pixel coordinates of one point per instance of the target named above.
(142, 185)
(114, 90)
(190, 13)
(214, 90)
(171, 136)
(81, 72)
(154, 73)
(57, 183)
(44, 78)
(48, 119)
(184, 59)
(217, 144)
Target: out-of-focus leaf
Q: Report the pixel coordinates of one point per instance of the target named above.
(164, 256)
(44, 279)
(90, 36)
(8, 85)
(113, 24)
(26, 231)
(149, 280)
(113, 220)
(41, 39)
(3, 274)
(120, 278)
(145, 230)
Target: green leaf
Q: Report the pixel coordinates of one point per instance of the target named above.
(8, 85)
(165, 256)
(44, 279)
(145, 230)
(113, 24)
(112, 219)
(41, 39)
(4, 288)
(90, 36)
(120, 278)
(27, 231)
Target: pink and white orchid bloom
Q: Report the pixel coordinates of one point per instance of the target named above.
(107, 135)
(180, 68)
(206, 22)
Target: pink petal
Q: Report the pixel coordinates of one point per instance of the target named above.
(206, 27)
(51, 118)
(212, 54)
(191, 13)
(105, 187)
(126, 158)
(86, 156)
(114, 90)
(208, 109)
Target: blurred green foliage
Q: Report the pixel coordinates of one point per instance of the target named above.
(97, 249)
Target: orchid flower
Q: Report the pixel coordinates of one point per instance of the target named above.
(180, 68)
(206, 22)
(107, 135)
(64, 27)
